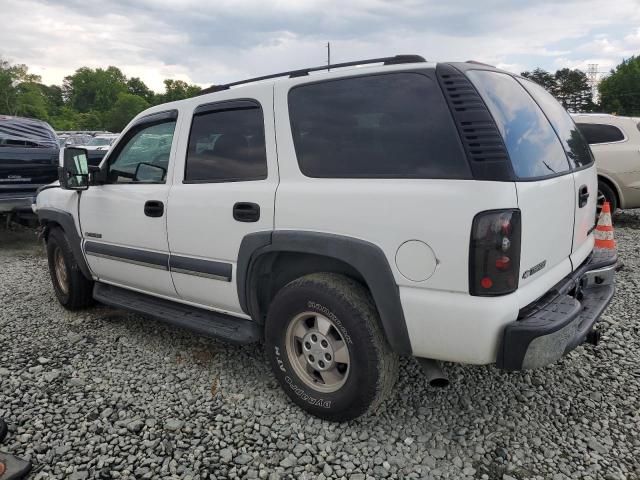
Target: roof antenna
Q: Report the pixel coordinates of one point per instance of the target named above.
(328, 56)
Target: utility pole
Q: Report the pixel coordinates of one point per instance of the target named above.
(592, 75)
(328, 55)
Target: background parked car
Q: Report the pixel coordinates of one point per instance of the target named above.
(98, 146)
(615, 142)
(28, 159)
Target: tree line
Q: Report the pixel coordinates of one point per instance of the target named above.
(89, 99)
(619, 91)
(106, 99)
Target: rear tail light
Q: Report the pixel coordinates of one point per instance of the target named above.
(494, 256)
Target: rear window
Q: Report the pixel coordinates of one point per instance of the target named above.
(532, 144)
(381, 126)
(600, 133)
(574, 143)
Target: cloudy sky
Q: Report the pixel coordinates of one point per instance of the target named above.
(207, 42)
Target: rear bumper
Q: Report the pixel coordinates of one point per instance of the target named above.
(561, 320)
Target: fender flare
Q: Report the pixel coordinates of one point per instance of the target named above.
(365, 257)
(66, 221)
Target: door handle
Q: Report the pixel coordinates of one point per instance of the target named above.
(246, 212)
(153, 208)
(583, 196)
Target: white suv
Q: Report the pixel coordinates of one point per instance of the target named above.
(442, 211)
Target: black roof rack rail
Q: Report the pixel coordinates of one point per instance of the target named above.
(475, 62)
(395, 60)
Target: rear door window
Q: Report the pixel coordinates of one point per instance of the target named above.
(226, 144)
(572, 140)
(532, 143)
(380, 126)
(600, 133)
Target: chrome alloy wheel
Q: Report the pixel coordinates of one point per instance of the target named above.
(317, 351)
(61, 271)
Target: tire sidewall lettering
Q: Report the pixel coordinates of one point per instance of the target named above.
(316, 307)
(304, 396)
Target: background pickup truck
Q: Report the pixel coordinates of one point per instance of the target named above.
(28, 159)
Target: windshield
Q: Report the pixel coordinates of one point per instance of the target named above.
(99, 141)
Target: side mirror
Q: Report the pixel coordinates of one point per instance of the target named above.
(149, 173)
(74, 173)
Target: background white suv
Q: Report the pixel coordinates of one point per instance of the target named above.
(615, 142)
(443, 211)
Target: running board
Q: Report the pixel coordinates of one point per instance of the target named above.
(205, 322)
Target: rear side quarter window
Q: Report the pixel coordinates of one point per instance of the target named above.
(596, 133)
(378, 126)
(568, 132)
(533, 146)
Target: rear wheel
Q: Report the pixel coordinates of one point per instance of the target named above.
(72, 288)
(606, 193)
(327, 349)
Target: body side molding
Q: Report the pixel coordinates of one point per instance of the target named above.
(368, 259)
(130, 255)
(201, 268)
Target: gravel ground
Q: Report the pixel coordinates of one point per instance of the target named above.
(106, 394)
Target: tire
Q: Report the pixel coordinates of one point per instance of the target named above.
(341, 314)
(72, 288)
(605, 192)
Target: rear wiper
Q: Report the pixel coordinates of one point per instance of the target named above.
(547, 165)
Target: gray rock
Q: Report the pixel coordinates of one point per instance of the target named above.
(173, 424)
(135, 426)
(574, 419)
(243, 459)
(437, 453)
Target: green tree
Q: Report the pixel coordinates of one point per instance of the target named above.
(52, 95)
(139, 88)
(126, 107)
(620, 91)
(573, 90)
(98, 89)
(30, 101)
(66, 119)
(14, 96)
(542, 78)
(177, 90)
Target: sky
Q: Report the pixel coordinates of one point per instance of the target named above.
(213, 42)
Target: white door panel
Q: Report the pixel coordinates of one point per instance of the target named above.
(201, 225)
(200, 222)
(123, 244)
(116, 212)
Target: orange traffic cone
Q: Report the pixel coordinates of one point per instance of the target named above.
(604, 229)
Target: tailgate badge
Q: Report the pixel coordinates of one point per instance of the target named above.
(533, 270)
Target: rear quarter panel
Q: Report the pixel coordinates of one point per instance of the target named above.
(386, 212)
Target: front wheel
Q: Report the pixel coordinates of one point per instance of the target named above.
(72, 288)
(327, 349)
